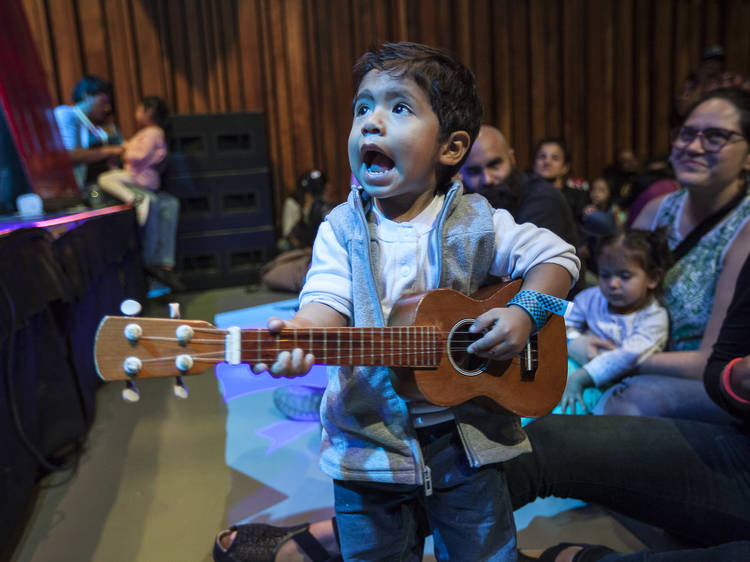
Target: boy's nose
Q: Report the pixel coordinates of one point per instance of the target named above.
(373, 124)
(371, 128)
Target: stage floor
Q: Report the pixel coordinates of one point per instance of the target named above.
(159, 478)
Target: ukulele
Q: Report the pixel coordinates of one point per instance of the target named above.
(425, 345)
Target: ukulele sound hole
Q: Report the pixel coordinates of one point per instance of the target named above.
(459, 339)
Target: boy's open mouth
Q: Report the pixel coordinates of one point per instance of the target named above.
(376, 162)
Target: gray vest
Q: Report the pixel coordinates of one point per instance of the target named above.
(367, 432)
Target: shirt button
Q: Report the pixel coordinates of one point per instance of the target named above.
(405, 271)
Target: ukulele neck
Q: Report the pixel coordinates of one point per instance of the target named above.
(407, 346)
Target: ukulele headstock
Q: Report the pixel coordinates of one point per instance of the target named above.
(131, 348)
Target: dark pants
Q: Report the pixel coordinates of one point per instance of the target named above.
(468, 512)
(690, 478)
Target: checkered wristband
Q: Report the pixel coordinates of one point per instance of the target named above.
(537, 305)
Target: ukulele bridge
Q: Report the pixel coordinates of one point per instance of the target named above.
(529, 359)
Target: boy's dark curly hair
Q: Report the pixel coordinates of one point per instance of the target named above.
(450, 85)
(648, 248)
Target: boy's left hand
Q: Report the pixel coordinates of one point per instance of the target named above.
(508, 332)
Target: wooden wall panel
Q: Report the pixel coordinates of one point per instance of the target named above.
(601, 73)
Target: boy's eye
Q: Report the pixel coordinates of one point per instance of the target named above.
(401, 108)
(360, 109)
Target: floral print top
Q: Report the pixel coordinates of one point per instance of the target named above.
(690, 284)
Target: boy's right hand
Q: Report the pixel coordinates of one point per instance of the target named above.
(288, 364)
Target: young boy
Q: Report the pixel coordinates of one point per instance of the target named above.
(403, 469)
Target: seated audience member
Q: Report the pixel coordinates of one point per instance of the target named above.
(602, 199)
(490, 170)
(138, 183)
(82, 126)
(302, 214)
(708, 230)
(623, 310)
(687, 477)
(601, 217)
(620, 174)
(711, 75)
(303, 211)
(656, 180)
(142, 156)
(552, 163)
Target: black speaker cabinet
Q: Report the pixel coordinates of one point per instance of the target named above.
(218, 168)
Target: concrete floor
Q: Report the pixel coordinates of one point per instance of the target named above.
(159, 478)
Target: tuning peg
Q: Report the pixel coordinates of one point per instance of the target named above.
(130, 307)
(183, 362)
(180, 389)
(132, 366)
(130, 393)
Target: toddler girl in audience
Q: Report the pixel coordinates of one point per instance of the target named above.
(143, 154)
(623, 312)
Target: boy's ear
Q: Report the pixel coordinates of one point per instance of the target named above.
(454, 149)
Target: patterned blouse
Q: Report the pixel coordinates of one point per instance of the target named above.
(691, 283)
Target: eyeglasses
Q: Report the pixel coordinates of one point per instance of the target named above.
(712, 139)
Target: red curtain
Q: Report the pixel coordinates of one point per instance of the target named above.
(27, 106)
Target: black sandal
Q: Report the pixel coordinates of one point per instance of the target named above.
(257, 542)
(588, 553)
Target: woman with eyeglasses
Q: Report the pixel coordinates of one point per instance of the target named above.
(707, 220)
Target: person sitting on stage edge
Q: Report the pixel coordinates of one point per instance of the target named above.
(81, 126)
(403, 468)
(142, 155)
(138, 183)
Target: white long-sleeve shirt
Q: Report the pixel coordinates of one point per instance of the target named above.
(637, 335)
(406, 265)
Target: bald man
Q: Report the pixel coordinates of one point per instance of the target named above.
(490, 170)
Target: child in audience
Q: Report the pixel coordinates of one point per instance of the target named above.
(143, 154)
(623, 311)
(403, 468)
(303, 212)
(601, 217)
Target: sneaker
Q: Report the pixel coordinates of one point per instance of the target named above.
(166, 276)
(299, 402)
(156, 289)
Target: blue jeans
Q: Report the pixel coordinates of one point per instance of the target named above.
(159, 234)
(468, 512)
(691, 479)
(661, 396)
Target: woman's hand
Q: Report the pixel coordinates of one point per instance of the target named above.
(739, 378)
(507, 331)
(578, 381)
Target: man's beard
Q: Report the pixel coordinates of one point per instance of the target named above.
(506, 195)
